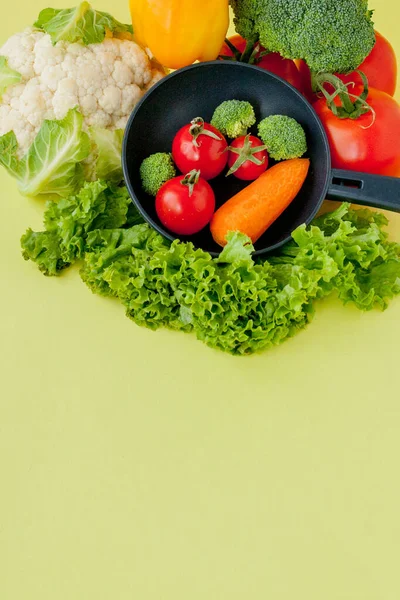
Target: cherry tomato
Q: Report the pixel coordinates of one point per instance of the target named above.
(185, 204)
(380, 67)
(371, 143)
(272, 62)
(199, 145)
(245, 161)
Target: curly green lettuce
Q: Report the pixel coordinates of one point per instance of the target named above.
(234, 303)
(98, 205)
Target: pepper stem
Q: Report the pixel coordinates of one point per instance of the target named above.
(190, 180)
(246, 153)
(197, 128)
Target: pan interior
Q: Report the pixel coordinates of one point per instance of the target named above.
(196, 91)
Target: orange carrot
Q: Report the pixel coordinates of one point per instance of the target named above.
(257, 206)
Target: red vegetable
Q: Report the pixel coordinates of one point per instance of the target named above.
(185, 204)
(247, 158)
(272, 62)
(380, 67)
(305, 75)
(370, 143)
(200, 146)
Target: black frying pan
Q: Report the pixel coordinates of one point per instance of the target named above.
(196, 91)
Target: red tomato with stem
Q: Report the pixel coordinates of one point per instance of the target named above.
(185, 204)
(272, 62)
(200, 146)
(370, 143)
(380, 67)
(248, 158)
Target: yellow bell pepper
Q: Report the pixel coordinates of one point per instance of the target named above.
(179, 32)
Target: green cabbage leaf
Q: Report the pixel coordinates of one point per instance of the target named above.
(81, 24)
(107, 153)
(52, 164)
(8, 76)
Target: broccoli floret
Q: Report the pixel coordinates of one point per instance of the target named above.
(233, 118)
(156, 170)
(330, 35)
(283, 136)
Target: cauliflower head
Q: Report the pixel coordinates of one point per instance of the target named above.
(103, 81)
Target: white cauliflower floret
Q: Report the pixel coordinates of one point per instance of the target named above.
(104, 81)
(19, 50)
(65, 97)
(121, 74)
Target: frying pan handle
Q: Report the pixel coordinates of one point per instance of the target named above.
(369, 190)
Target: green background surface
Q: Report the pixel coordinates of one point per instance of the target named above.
(141, 465)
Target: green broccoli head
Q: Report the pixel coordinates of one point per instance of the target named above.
(156, 170)
(283, 136)
(233, 118)
(330, 35)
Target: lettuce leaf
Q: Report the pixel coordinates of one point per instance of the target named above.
(98, 205)
(8, 76)
(44, 249)
(52, 164)
(233, 303)
(239, 248)
(81, 24)
(352, 250)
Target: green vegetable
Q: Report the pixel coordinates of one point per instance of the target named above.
(52, 164)
(233, 303)
(233, 118)
(283, 136)
(44, 249)
(156, 170)
(98, 205)
(81, 24)
(8, 76)
(107, 154)
(330, 35)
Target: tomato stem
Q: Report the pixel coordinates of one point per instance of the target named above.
(246, 153)
(197, 128)
(232, 47)
(351, 106)
(251, 54)
(254, 58)
(249, 51)
(191, 179)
